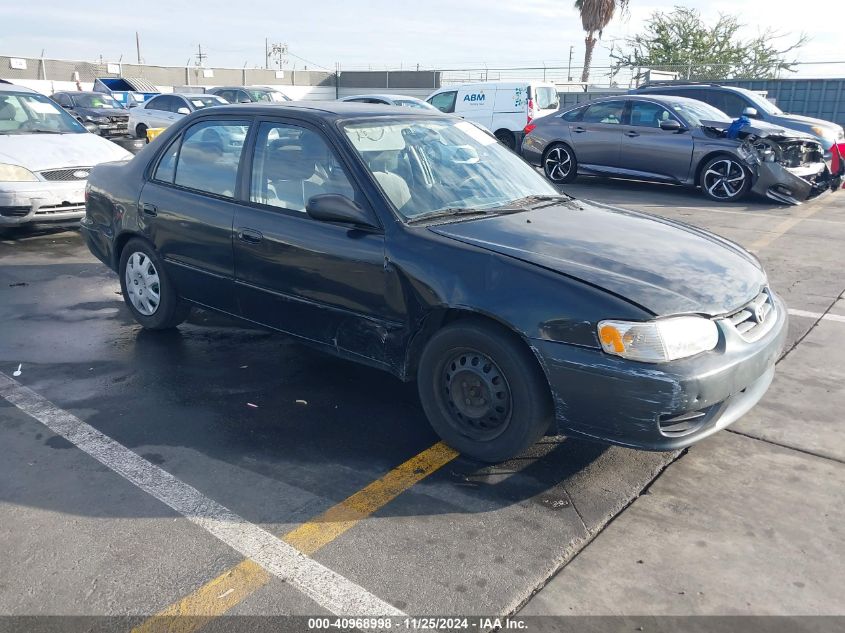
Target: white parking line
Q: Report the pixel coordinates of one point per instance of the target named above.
(817, 315)
(327, 588)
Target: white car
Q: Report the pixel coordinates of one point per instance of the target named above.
(391, 99)
(504, 107)
(45, 158)
(164, 110)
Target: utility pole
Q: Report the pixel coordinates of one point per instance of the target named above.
(138, 47)
(200, 55)
(280, 53)
(569, 69)
(266, 54)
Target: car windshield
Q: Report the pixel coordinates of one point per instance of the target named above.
(96, 101)
(428, 166)
(546, 98)
(204, 101)
(695, 112)
(761, 103)
(25, 113)
(410, 103)
(267, 95)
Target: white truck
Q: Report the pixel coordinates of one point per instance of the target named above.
(503, 107)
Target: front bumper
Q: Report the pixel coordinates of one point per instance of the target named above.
(29, 202)
(646, 406)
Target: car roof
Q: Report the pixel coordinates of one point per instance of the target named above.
(689, 86)
(657, 98)
(382, 95)
(16, 88)
(330, 109)
(74, 93)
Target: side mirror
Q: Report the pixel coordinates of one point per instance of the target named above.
(92, 127)
(244, 100)
(66, 106)
(333, 207)
(670, 125)
(183, 110)
(750, 112)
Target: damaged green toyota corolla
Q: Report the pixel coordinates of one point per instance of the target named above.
(418, 244)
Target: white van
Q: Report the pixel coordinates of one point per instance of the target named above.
(503, 107)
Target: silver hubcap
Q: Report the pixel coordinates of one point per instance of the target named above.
(724, 179)
(142, 284)
(558, 164)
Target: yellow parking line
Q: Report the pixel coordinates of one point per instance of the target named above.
(234, 585)
(799, 216)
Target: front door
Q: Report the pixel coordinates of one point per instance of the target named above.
(651, 152)
(321, 281)
(188, 207)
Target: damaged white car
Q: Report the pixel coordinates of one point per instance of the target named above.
(680, 141)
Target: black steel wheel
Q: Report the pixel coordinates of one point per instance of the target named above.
(483, 391)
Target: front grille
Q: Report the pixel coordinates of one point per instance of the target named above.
(755, 318)
(14, 212)
(65, 207)
(66, 174)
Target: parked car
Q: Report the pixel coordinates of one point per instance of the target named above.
(680, 141)
(164, 110)
(504, 107)
(416, 243)
(387, 99)
(45, 158)
(104, 112)
(249, 94)
(735, 101)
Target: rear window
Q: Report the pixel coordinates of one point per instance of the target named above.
(546, 98)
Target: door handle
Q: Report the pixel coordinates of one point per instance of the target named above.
(250, 236)
(578, 130)
(631, 134)
(149, 209)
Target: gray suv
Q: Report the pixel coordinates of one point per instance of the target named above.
(733, 101)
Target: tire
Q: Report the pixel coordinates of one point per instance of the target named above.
(147, 290)
(141, 131)
(507, 139)
(505, 405)
(724, 179)
(560, 164)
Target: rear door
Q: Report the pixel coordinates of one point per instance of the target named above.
(187, 208)
(650, 151)
(598, 135)
(321, 281)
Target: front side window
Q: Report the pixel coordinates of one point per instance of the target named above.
(445, 101)
(272, 96)
(430, 165)
(605, 112)
(573, 115)
(28, 113)
(292, 164)
(166, 169)
(209, 157)
(645, 114)
(62, 100)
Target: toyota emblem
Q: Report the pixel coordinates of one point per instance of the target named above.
(758, 313)
(80, 174)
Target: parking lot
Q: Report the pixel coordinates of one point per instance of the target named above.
(339, 462)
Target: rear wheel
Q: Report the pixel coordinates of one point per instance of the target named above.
(147, 290)
(507, 138)
(560, 164)
(483, 392)
(141, 131)
(724, 178)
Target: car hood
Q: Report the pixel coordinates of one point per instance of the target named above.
(109, 112)
(663, 266)
(38, 152)
(761, 129)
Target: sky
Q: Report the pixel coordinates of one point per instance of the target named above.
(377, 33)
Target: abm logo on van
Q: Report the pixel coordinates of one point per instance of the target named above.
(477, 97)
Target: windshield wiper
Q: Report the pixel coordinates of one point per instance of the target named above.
(38, 131)
(447, 213)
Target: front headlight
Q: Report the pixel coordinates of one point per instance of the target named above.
(97, 119)
(658, 341)
(16, 173)
(825, 133)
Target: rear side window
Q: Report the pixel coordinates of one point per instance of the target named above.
(605, 112)
(209, 157)
(445, 101)
(546, 98)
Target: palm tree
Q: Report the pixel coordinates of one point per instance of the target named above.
(595, 15)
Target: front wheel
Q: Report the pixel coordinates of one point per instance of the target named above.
(483, 391)
(147, 290)
(723, 178)
(141, 132)
(560, 164)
